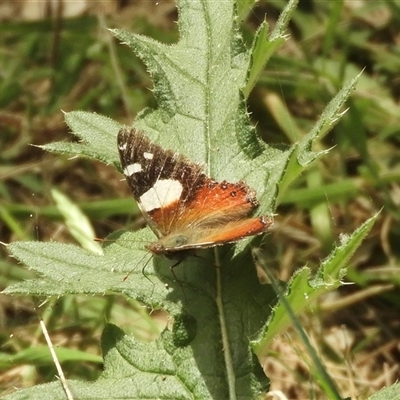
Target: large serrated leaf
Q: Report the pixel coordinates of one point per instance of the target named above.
(304, 288)
(202, 113)
(97, 133)
(191, 299)
(136, 370)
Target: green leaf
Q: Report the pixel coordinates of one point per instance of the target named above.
(389, 393)
(67, 268)
(77, 222)
(195, 117)
(40, 355)
(301, 155)
(264, 45)
(244, 7)
(304, 288)
(97, 133)
(190, 296)
(136, 370)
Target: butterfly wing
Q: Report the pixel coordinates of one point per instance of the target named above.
(216, 214)
(161, 181)
(184, 207)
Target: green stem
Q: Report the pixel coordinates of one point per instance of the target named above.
(230, 374)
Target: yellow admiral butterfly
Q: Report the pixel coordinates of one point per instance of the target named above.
(185, 208)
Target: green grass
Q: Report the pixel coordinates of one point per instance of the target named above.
(330, 43)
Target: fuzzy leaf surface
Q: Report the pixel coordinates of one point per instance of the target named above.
(190, 299)
(304, 288)
(387, 393)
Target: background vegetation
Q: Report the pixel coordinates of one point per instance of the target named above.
(59, 63)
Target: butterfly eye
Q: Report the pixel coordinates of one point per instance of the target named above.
(180, 240)
(176, 241)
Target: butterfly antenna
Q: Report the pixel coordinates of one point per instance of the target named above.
(145, 265)
(144, 273)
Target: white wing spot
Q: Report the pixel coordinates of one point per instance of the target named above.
(131, 169)
(123, 146)
(163, 193)
(148, 156)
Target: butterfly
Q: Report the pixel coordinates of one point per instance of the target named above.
(184, 207)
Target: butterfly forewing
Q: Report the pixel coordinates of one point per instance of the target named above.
(161, 181)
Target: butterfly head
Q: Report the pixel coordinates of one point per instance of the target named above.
(168, 244)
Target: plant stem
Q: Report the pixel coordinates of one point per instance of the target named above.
(230, 374)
